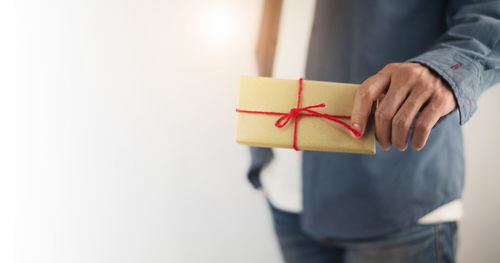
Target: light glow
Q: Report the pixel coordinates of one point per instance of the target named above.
(217, 26)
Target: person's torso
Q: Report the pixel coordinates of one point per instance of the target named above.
(350, 195)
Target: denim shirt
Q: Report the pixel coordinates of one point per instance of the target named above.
(361, 196)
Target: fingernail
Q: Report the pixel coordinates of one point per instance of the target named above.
(358, 129)
(384, 147)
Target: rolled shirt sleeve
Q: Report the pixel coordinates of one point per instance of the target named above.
(467, 56)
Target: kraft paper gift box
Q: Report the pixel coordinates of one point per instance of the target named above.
(262, 101)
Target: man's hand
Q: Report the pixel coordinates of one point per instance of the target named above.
(403, 90)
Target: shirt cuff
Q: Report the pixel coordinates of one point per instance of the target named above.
(462, 74)
(260, 157)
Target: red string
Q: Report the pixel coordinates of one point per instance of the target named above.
(296, 112)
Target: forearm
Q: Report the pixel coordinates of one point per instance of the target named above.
(264, 54)
(467, 56)
(268, 35)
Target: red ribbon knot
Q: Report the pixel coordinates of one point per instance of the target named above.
(296, 112)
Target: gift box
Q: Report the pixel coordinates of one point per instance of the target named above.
(299, 114)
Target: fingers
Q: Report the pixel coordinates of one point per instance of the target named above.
(441, 103)
(403, 119)
(385, 112)
(366, 94)
(407, 87)
(424, 123)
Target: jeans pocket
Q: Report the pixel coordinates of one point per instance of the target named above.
(454, 235)
(446, 242)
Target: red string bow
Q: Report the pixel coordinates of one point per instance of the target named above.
(296, 112)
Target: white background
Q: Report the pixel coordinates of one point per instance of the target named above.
(116, 135)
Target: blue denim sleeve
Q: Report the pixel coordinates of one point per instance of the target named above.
(467, 56)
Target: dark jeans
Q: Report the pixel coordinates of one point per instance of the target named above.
(417, 243)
